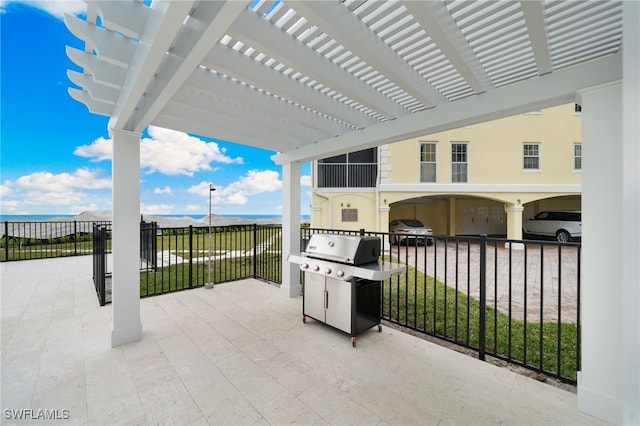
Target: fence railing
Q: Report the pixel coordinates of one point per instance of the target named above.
(347, 175)
(174, 259)
(101, 274)
(39, 240)
(516, 301)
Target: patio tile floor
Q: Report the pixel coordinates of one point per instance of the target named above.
(237, 354)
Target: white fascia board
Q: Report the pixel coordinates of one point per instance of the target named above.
(272, 41)
(226, 60)
(321, 191)
(219, 16)
(334, 19)
(457, 188)
(434, 17)
(544, 91)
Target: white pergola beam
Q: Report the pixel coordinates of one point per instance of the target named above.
(434, 17)
(534, 17)
(161, 28)
(263, 36)
(226, 60)
(544, 91)
(223, 88)
(172, 79)
(356, 36)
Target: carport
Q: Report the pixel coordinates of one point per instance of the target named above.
(312, 80)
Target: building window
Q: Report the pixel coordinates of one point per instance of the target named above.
(353, 170)
(531, 156)
(458, 162)
(428, 162)
(577, 156)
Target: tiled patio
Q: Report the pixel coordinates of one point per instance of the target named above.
(238, 354)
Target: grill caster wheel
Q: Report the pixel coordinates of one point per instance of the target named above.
(304, 319)
(354, 341)
(379, 328)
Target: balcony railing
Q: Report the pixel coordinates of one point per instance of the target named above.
(347, 175)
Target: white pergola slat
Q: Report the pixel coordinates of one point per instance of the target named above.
(329, 68)
(313, 79)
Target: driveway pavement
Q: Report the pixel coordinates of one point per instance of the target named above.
(536, 279)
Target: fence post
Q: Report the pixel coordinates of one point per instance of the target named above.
(6, 240)
(190, 256)
(483, 298)
(255, 250)
(75, 238)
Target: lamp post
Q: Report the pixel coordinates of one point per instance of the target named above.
(209, 283)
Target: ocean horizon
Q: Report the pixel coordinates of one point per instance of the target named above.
(46, 217)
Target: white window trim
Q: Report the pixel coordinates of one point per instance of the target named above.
(573, 157)
(420, 160)
(539, 169)
(451, 162)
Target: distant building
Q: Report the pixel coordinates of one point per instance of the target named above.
(480, 179)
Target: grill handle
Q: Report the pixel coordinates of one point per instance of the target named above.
(326, 299)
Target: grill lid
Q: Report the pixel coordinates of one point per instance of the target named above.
(349, 249)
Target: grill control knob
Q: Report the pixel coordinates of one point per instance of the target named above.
(305, 266)
(327, 270)
(316, 268)
(340, 274)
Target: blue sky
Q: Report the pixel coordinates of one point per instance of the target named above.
(55, 156)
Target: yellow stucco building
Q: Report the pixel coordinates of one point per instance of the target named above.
(480, 179)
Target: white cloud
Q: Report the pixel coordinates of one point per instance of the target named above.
(166, 151)
(166, 190)
(305, 180)
(42, 189)
(56, 8)
(83, 178)
(156, 208)
(98, 150)
(238, 192)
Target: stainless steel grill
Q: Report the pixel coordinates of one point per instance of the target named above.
(342, 281)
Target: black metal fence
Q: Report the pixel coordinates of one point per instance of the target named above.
(516, 301)
(174, 259)
(101, 274)
(39, 240)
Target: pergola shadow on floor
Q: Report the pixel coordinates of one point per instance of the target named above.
(237, 354)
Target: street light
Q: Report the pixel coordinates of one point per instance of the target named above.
(209, 283)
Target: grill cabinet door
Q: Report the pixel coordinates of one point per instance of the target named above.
(339, 304)
(314, 296)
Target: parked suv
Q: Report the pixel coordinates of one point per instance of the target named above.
(563, 225)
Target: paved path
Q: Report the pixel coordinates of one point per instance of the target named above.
(551, 276)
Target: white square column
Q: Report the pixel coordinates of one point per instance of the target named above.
(290, 286)
(125, 299)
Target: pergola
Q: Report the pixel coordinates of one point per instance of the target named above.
(314, 79)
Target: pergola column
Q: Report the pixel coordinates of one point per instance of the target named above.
(125, 300)
(601, 375)
(290, 286)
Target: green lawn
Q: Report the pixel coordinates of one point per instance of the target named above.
(417, 301)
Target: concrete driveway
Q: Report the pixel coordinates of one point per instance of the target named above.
(538, 278)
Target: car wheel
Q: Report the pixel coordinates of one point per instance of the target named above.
(563, 236)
